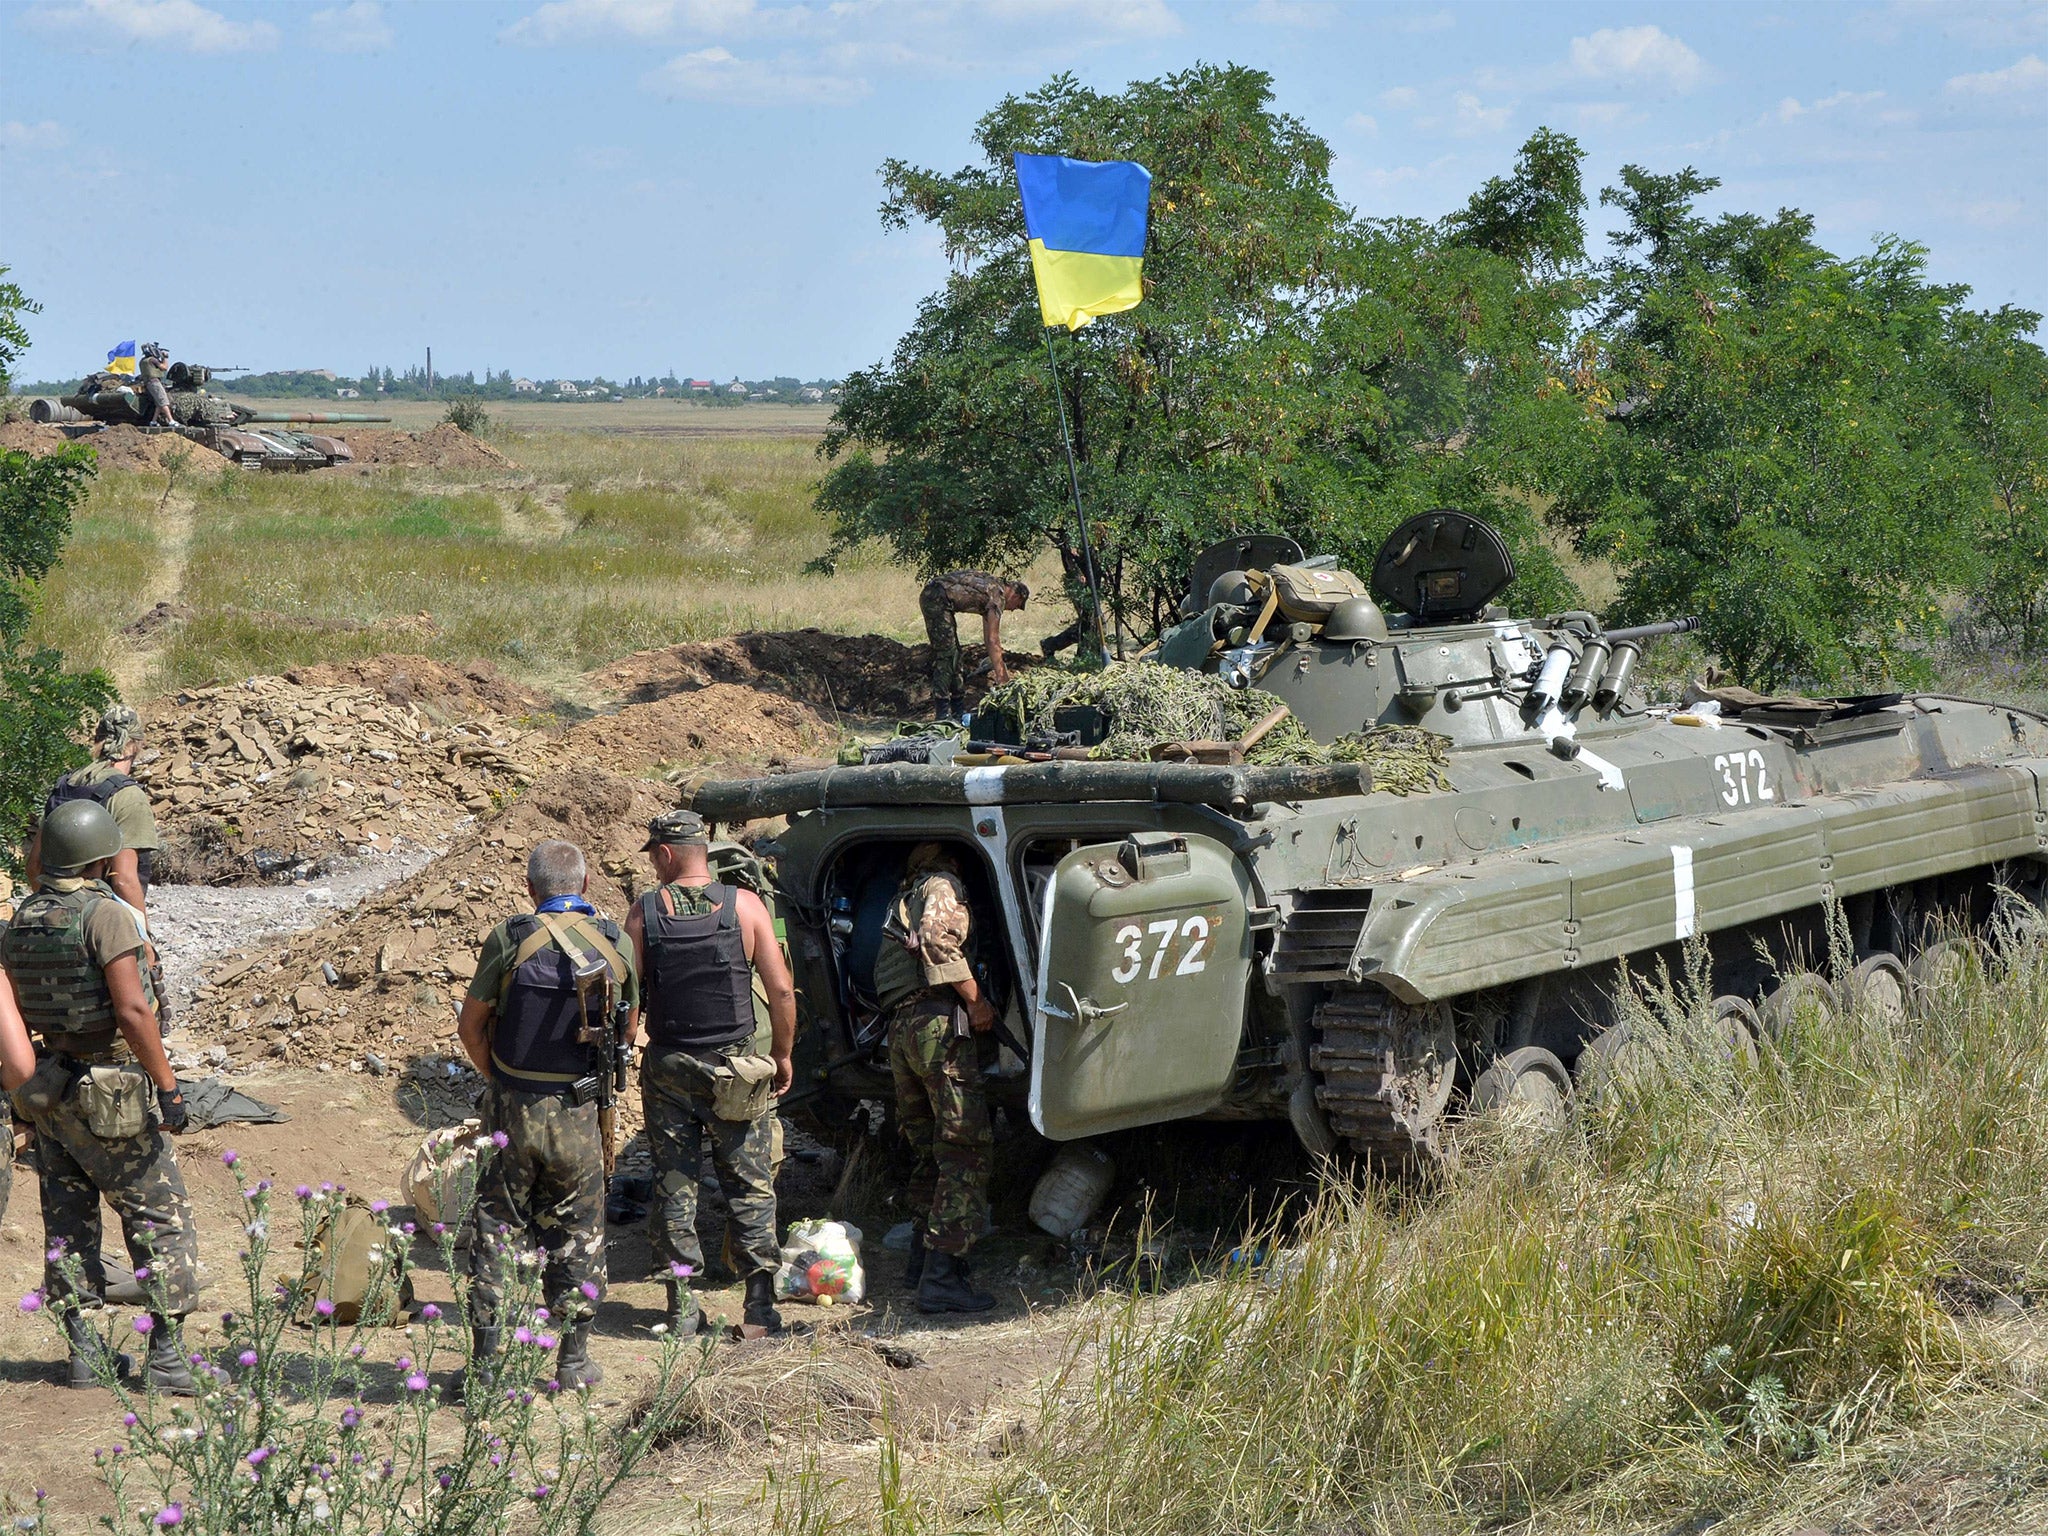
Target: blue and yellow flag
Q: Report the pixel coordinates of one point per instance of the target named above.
(1086, 223)
(122, 358)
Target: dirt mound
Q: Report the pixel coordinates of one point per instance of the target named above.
(720, 724)
(442, 447)
(408, 679)
(845, 674)
(128, 448)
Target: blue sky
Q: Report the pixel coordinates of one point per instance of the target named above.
(630, 186)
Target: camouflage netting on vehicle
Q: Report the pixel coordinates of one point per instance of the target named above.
(1144, 706)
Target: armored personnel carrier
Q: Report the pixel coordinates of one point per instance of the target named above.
(1206, 938)
(248, 437)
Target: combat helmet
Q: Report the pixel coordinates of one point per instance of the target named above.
(1356, 618)
(78, 833)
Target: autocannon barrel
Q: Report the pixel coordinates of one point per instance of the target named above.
(1226, 788)
(1651, 631)
(320, 418)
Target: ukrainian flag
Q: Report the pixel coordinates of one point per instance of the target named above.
(1086, 223)
(122, 358)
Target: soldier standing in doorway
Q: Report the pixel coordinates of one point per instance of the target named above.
(700, 944)
(547, 985)
(959, 592)
(71, 957)
(927, 984)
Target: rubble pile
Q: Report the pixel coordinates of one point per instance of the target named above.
(863, 675)
(128, 448)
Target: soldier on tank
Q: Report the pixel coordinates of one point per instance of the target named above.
(955, 593)
(109, 781)
(700, 944)
(527, 1023)
(925, 981)
(153, 365)
(71, 957)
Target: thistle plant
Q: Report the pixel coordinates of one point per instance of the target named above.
(297, 1428)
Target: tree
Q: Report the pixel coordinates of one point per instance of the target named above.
(1784, 459)
(1999, 378)
(13, 336)
(1292, 368)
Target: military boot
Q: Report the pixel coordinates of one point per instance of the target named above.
(956, 706)
(913, 1268)
(168, 1371)
(483, 1355)
(947, 1287)
(759, 1312)
(685, 1318)
(574, 1368)
(90, 1355)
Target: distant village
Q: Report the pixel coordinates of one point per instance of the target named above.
(416, 383)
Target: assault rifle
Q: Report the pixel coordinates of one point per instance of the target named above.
(611, 1053)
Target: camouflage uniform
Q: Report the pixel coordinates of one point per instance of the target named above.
(546, 1186)
(940, 1105)
(56, 952)
(943, 597)
(675, 1094)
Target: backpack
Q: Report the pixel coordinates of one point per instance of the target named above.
(352, 1261)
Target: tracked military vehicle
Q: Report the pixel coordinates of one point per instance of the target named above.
(1212, 939)
(248, 437)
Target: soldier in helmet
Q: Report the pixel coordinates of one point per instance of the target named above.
(959, 592)
(154, 364)
(108, 781)
(700, 945)
(72, 962)
(923, 978)
(527, 1024)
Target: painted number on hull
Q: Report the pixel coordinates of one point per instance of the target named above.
(1160, 937)
(1742, 778)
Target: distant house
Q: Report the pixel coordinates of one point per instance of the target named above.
(565, 389)
(525, 387)
(835, 393)
(736, 388)
(324, 373)
(700, 386)
(810, 396)
(349, 394)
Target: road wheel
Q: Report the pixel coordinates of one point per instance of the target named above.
(1527, 1084)
(1939, 970)
(1737, 1027)
(1877, 987)
(1801, 992)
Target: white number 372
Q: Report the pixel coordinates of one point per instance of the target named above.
(1193, 959)
(1742, 778)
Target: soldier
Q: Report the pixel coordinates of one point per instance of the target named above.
(526, 1024)
(154, 363)
(71, 957)
(700, 945)
(926, 983)
(108, 780)
(959, 592)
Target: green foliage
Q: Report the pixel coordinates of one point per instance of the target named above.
(467, 413)
(1293, 368)
(2000, 381)
(40, 703)
(13, 336)
(1785, 456)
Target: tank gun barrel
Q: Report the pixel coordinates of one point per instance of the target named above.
(320, 418)
(1683, 626)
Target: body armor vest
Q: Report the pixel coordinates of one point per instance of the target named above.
(899, 968)
(102, 791)
(699, 987)
(63, 995)
(536, 1038)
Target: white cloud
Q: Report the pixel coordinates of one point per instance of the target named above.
(1363, 122)
(1469, 116)
(2029, 77)
(358, 27)
(1400, 98)
(1648, 55)
(182, 24)
(1603, 114)
(1791, 108)
(44, 135)
(714, 74)
(643, 20)
(1997, 213)
(1083, 18)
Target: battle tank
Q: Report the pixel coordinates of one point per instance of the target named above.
(1212, 939)
(248, 437)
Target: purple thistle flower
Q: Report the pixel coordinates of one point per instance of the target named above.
(546, 1341)
(541, 1314)
(403, 1362)
(171, 1514)
(263, 1186)
(230, 1157)
(257, 1457)
(247, 1357)
(589, 1289)
(438, 1230)
(540, 1492)
(351, 1417)
(32, 1302)
(304, 1192)
(324, 1307)
(142, 1325)
(128, 1421)
(416, 1382)
(522, 1336)
(326, 1188)
(681, 1271)
(142, 1271)
(445, 1480)
(500, 1140)
(379, 1207)
(430, 1312)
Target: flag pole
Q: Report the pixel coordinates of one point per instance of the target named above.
(1080, 517)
